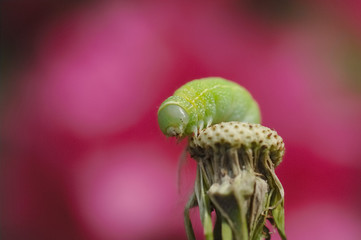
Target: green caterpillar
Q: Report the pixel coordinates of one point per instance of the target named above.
(203, 102)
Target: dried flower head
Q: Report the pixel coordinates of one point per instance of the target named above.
(236, 178)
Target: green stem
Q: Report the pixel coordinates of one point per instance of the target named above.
(187, 221)
(204, 205)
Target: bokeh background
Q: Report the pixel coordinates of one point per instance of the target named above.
(81, 153)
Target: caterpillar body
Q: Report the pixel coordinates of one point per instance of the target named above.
(200, 103)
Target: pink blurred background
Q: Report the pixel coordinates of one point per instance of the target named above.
(81, 153)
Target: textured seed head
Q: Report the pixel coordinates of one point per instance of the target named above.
(241, 135)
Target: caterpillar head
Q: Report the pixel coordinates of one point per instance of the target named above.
(172, 120)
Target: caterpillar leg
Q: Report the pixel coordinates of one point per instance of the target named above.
(209, 122)
(200, 125)
(195, 130)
